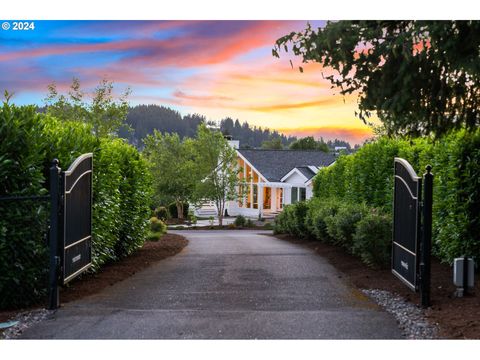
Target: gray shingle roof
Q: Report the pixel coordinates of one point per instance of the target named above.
(274, 164)
(306, 171)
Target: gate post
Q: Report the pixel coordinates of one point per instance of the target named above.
(426, 236)
(53, 291)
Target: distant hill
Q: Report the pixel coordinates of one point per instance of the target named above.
(145, 118)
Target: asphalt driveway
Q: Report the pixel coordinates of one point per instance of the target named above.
(228, 284)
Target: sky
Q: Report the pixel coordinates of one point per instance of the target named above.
(214, 68)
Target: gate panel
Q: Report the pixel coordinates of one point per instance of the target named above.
(406, 223)
(77, 217)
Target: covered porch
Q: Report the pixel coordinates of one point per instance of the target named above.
(263, 199)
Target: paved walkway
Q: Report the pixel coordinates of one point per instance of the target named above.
(234, 284)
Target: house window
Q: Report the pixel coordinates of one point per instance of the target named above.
(255, 196)
(303, 194)
(298, 194)
(294, 195)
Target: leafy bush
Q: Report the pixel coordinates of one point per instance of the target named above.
(292, 220)
(240, 221)
(154, 236)
(372, 240)
(162, 213)
(319, 210)
(341, 226)
(23, 247)
(172, 209)
(157, 226)
(249, 223)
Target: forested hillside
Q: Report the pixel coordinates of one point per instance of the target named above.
(145, 118)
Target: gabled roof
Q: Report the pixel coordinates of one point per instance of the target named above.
(275, 164)
(306, 171)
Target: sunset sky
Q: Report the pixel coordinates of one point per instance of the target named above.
(215, 68)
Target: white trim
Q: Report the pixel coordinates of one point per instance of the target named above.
(277, 185)
(290, 173)
(409, 168)
(313, 168)
(250, 164)
(76, 162)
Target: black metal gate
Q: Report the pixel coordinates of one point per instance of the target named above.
(77, 217)
(71, 223)
(412, 223)
(406, 223)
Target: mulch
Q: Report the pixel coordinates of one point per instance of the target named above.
(457, 318)
(89, 284)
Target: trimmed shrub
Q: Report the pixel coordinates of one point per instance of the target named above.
(372, 240)
(154, 236)
(23, 242)
(162, 213)
(249, 223)
(172, 209)
(157, 226)
(341, 226)
(318, 212)
(240, 221)
(292, 220)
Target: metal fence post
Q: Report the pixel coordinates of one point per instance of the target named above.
(53, 290)
(427, 236)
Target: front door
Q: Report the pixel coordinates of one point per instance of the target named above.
(279, 200)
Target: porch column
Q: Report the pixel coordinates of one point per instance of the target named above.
(273, 199)
(287, 195)
(260, 198)
(244, 198)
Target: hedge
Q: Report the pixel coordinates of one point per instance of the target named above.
(121, 197)
(361, 230)
(367, 176)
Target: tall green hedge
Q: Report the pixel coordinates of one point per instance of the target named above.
(367, 176)
(121, 197)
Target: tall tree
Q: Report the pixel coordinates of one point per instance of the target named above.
(273, 144)
(218, 166)
(309, 143)
(102, 109)
(420, 77)
(173, 168)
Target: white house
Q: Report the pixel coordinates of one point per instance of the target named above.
(275, 178)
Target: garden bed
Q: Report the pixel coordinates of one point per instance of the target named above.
(457, 318)
(150, 253)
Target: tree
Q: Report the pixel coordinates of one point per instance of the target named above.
(309, 143)
(420, 77)
(173, 168)
(218, 169)
(106, 113)
(273, 144)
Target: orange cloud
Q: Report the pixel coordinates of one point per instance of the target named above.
(319, 102)
(182, 95)
(352, 135)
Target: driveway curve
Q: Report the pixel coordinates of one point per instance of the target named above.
(231, 284)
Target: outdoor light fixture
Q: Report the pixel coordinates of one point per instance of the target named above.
(463, 275)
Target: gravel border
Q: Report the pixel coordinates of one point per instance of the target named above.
(411, 318)
(25, 320)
